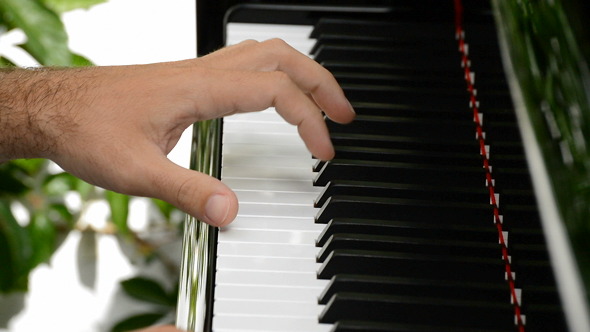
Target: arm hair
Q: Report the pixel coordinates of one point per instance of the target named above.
(36, 111)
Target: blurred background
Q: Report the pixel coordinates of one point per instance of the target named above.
(74, 257)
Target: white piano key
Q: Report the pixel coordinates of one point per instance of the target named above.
(268, 236)
(261, 127)
(268, 293)
(276, 223)
(279, 210)
(269, 308)
(241, 31)
(247, 160)
(267, 250)
(268, 115)
(273, 278)
(285, 139)
(284, 173)
(296, 36)
(276, 185)
(274, 197)
(276, 150)
(234, 323)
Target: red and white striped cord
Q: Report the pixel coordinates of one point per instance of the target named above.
(515, 293)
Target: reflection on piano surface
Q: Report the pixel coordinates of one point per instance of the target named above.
(427, 218)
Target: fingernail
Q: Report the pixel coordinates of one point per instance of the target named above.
(351, 108)
(216, 209)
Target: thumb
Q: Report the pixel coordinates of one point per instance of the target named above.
(200, 195)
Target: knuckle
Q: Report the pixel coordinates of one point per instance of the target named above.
(276, 44)
(184, 193)
(248, 42)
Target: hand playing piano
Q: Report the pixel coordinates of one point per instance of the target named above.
(114, 126)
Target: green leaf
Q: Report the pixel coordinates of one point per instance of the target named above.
(84, 188)
(16, 251)
(59, 184)
(10, 180)
(31, 166)
(4, 62)
(119, 205)
(164, 207)
(47, 40)
(147, 290)
(80, 61)
(59, 214)
(43, 238)
(137, 322)
(7, 275)
(62, 6)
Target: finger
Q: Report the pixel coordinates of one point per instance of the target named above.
(312, 78)
(238, 92)
(195, 193)
(274, 55)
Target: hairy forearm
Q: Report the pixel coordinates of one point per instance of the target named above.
(35, 111)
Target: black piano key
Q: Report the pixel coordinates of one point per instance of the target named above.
(410, 58)
(400, 77)
(421, 143)
(385, 263)
(485, 78)
(414, 287)
(375, 42)
(443, 129)
(404, 209)
(407, 126)
(401, 309)
(398, 172)
(370, 326)
(399, 190)
(418, 32)
(408, 155)
(406, 244)
(408, 111)
(463, 229)
(444, 98)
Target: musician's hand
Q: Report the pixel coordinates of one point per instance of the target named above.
(114, 126)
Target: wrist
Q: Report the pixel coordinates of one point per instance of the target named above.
(34, 112)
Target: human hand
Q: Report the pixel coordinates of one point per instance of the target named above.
(114, 126)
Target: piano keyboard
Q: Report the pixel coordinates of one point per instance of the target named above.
(424, 221)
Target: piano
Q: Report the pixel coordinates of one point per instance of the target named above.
(450, 204)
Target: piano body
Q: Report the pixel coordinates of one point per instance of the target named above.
(457, 200)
